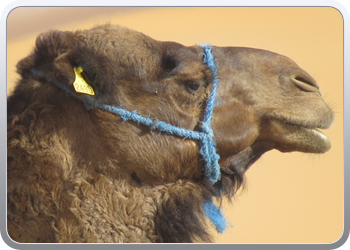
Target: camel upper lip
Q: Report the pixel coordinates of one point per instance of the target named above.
(321, 123)
(310, 125)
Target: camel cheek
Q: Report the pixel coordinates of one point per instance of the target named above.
(235, 128)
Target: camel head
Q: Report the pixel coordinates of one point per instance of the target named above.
(264, 101)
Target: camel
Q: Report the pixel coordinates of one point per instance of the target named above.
(91, 157)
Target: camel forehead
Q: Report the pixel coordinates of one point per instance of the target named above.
(114, 36)
(109, 31)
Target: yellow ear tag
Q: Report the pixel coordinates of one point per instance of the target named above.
(80, 85)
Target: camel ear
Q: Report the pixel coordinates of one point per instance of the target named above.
(73, 73)
(50, 58)
(61, 60)
(64, 69)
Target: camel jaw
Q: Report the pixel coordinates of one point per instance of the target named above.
(282, 136)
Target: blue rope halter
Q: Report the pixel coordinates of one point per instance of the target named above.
(204, 136)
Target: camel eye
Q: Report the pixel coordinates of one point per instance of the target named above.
(193, 86)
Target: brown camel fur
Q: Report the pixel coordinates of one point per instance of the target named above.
(84, 175)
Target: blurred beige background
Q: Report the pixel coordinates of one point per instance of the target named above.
(289, 198)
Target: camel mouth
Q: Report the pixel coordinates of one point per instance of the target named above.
(297, 132)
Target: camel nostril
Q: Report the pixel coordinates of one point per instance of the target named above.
(305, 83)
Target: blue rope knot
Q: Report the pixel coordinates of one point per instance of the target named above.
(205, 128)
(210, 157)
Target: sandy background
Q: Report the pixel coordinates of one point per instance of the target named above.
(289, 198)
